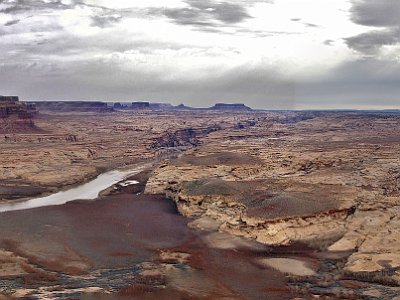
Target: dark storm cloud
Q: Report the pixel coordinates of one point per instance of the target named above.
(206, 13)
(371, 42)
(383, 14)
(366, 82)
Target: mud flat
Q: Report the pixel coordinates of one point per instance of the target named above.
(135, 246)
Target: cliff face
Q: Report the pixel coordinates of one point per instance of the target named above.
(182, 137)
(274, 212)
(16, 116)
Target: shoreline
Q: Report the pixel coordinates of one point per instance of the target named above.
(129, 169)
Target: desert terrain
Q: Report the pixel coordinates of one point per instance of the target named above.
(227, 204)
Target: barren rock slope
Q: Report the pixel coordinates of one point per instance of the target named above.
(331, 181)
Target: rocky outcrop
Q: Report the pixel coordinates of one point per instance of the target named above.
(274, 212)
(312, 178)
(16, 116)
(245, 124)
(182, 137)
(373, 237)
(285, 211)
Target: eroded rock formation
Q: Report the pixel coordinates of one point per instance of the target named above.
(332, 184)
(183, 137)
(16, 116)
(329, 180)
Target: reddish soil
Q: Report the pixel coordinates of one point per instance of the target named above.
(122, 231)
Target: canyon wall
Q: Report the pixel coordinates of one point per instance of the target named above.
(16, 116)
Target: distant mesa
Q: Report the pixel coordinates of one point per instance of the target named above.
(227, 106)
(16, 116)
(143, 105)
(99, 106)
(9, 99)
(161, 106)
(73, 106)
(140, 105)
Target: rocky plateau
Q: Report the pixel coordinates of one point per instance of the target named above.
(318, 191)
(331, 182)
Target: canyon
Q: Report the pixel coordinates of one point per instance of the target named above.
(316, 190)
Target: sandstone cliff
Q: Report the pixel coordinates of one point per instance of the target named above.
(16, 116)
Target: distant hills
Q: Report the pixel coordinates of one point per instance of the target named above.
(167, 106)
(99, 106)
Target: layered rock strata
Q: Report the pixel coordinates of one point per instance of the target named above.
(332, 184)
(16, 116)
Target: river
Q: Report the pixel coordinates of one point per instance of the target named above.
(86, 191)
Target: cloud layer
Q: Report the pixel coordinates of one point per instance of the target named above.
(207, 13)
(268, 54)
(384, 15)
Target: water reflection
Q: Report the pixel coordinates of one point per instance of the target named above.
(86, 191)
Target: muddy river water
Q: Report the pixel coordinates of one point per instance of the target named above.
(87, 191)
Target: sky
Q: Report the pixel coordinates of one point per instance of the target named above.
(271, 54)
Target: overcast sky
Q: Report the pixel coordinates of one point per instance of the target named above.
(267, 54)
